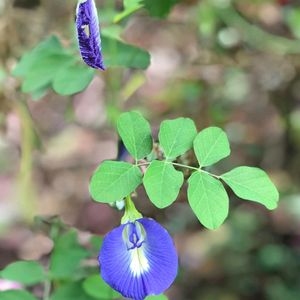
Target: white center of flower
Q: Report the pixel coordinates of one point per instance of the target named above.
(139, 263)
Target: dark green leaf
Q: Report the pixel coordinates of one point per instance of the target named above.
(25, 272)
(72, 79)
(114, 180)
(135, 132)
(162, 183)
(252, 184)
(159, 8)
(208, 199)
(176, 136)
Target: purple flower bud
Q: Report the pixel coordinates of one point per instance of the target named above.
(88, 34)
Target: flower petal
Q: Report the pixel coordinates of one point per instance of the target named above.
(148, 269)
(88, 34)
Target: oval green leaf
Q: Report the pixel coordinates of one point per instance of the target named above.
(114, 180)
(135, 133)
(25, 272)
(253, 184)
(208, 199)
(95, 287)
(72, 79)
(176, 136)
(162, 183)
(211, 145)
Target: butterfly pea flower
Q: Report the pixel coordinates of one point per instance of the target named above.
(138, 258)
(88, 34)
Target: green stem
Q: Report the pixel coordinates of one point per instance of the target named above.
(27, 194)
(183, 166)
(131, 213)
(47, 290)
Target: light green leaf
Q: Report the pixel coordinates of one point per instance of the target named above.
(135, 132)
(16, 295)
(252, 184)
(71, 291)
(176, 136)
(114, 180)
(51, 45)
(25, 272)
(208, 199)
(72, 79)
(39, 66)
(44, 70)
(40, 93)
(95, 287)
(66, 256)
(211, 145)
(159, 297)
(119, 54)
(162, 183)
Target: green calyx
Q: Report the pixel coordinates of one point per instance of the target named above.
(131, 213)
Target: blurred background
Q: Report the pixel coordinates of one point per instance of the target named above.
(233, 64)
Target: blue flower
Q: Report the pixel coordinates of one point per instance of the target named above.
(88, 34)
(138, 259)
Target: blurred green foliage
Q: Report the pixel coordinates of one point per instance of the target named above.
(245, 55)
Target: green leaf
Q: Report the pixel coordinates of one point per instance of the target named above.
(72, 79)
(293, 20)
(162, 183)
(66, 257)
(39, 66)
(252, 184)
(208, 199)
(50, 45)
(16, 295)
(176, 136)
(119, 54)
(25, 272)
(40, 93)
(135, 132)
(211, 145)
(159, 297)
(71, 291)
(114, 180)
(158, 8)
(95, 286)
(43, 71)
